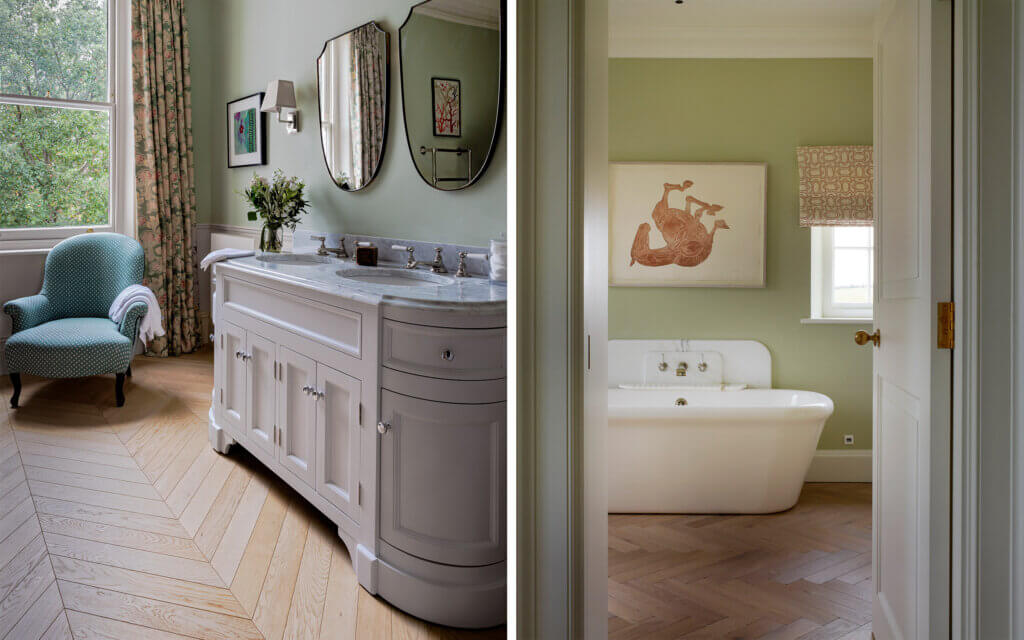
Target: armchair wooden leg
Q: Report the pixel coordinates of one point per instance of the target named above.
(119, 389)
(16, 381)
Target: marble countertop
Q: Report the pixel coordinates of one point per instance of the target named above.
(473, 293)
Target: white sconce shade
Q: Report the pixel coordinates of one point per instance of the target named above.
(280, 99)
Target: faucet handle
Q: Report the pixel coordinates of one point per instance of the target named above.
(411, 264)
(322, 251)
(461, 272)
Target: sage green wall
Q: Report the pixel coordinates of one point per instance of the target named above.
(240, 45)
(759, 110)
(444, 49)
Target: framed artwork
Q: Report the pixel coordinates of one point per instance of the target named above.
(447, 94)
(687, 224)
(246, 126)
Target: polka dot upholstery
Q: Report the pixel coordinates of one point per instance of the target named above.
(70, 348)
(64, 331)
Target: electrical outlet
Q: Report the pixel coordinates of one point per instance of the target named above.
(848, 439)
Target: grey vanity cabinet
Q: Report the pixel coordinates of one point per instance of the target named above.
(442, 480)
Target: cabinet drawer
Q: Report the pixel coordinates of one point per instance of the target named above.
(438, 352)
(333, 327)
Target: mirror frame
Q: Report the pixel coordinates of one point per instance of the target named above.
(387, 111)
(498, 116)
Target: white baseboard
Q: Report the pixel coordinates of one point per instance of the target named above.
(840, 465)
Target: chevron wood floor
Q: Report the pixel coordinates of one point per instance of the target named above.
(805, 573)
(120, 524)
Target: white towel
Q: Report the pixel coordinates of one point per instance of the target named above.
(223, 254)
(152, 323)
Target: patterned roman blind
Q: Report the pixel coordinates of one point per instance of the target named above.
(836, 185)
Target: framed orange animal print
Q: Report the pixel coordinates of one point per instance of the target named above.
(687, 224)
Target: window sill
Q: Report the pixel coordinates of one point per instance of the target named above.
(867, 321)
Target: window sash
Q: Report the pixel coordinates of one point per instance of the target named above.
(43, 238)
(823, 303)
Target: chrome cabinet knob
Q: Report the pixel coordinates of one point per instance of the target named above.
(306, 389)
(383, 427)
(447, 354)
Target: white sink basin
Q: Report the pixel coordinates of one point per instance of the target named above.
(396, 277)
(293, 258)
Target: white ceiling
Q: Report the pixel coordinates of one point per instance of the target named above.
(734, 28)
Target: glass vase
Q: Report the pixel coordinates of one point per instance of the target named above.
(271, 239)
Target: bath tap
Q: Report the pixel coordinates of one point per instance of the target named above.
(681, 369)
(412, 263)
(438, 265)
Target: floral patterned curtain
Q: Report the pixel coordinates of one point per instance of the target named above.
(164, 167)
(368, 84)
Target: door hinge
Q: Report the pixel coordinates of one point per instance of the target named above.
(222, 395)
(222, 341)
(946, 325)
(359, 494)
(360, 414)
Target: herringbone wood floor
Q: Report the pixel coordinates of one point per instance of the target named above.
(120, 524)
(805, 573)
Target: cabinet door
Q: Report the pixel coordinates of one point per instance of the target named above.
(262, 388)
(442, 479)
(233, 383)
(297, 413)
(337, 440)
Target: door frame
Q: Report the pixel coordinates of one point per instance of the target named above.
(961, 478)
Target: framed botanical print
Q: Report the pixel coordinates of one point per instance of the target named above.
(447, 94)
(687, 224)
(246, 131)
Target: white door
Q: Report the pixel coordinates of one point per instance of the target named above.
(912, 269)
(296, 407)
(442, 479)
(338, 434)
(261, 365)
(232, 391)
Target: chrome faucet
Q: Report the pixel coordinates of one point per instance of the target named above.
(412, 263)
(438, 265)
(681, 369)
(324, 250)
(340, 251)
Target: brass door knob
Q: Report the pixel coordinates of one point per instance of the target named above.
(863, 337)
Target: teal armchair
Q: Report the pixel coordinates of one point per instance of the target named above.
(64, 331)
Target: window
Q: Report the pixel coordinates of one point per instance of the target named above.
(842, 272)
(59, 121)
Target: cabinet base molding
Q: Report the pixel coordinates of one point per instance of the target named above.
(219, 438)
(466, 597)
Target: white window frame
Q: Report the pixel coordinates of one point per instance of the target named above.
(823, 309)
(121, 206)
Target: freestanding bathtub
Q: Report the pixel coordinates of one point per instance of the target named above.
(721, 452)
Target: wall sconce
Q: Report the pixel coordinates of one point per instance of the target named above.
(280, 99)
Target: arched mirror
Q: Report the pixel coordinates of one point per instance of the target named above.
(352, 78)
(453, 75)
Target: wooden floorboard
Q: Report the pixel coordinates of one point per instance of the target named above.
(804, 574)
(124, 523)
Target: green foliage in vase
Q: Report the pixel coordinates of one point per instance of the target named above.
(279, 203)
(54, 162)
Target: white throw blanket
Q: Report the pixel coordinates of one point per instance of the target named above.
(223, 254)
(151, 324)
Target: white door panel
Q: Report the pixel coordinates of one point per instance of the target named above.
(233, 394)
(297, 413)
(338, 437)
(262, 389)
